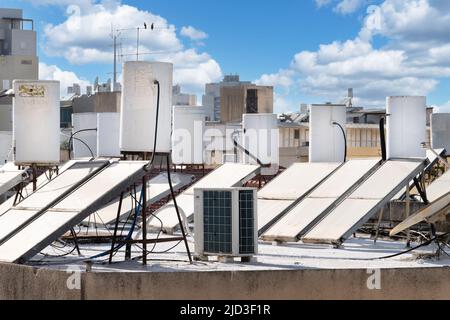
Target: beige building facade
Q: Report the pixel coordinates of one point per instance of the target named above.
(244, 98)
(18, 57)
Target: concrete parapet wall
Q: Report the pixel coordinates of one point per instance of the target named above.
(22, 282)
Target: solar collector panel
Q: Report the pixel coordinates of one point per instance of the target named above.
(289, 188)
(338, 225)
(306, 213)
(29, 240)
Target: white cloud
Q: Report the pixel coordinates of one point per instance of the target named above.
(281, 79)
(85, 38)
(445, 108)
(193, 34)
(66, 78)
(322, 3)
(405, 66)
(342, 6)
(282, 104)
(349, 6)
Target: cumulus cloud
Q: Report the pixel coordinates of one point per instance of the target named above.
(322, 3)
(349, 6)
(84, 37)
(193, 34)
(445, 108)
(406, 65)
(342, 6)
(281, 79)
(66, 78)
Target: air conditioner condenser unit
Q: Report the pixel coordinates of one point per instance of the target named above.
(226, 223)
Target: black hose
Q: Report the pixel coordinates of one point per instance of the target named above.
(72, 138)
(147, 166)
(345, 139)
(86, 145)
(237, 145)
(413, 249)
(383, 139)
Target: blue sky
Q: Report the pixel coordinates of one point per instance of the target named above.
(264, 41)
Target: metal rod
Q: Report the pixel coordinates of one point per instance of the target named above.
(137, 45)
(75, 240)
(422, 192)
(144, 220)
(116, 227)
(34, 170)
(115, 62)
(408, 212)
(380, 218)
(183, 232)
(152, 241)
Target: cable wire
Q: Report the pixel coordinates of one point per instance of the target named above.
(345, 139)
(72, 137)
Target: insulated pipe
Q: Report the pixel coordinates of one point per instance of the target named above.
(72, 137)
(383, 139)
(237, 145)
(148, 166)
(345, 140)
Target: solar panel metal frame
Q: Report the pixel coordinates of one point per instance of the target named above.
(60, 198)
(111, 218)
(83, 213)
(296, 201)
(439, 187)
(333, 205)
(441, 152)
(428, 214)
(42, 180)
(170, 229)
(13, 181)
(380, 204)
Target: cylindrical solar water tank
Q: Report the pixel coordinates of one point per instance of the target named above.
(187, 137)
(139, 106)
(326, 139)
(440, 131)
(36, 122)
(84, 142)
(5, 147)
(406, 127)
(261, 139)
(108, 134)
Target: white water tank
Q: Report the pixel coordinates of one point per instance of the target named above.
(36, 122)
(139, 106)
(261, 138)
(84, 121)
(108, 134)
(326, 140)
(440, 131)
(5, 147)
(406, 127)
(187, 136)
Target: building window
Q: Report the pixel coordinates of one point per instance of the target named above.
(252, 101)
(297, 134)
(66, 117)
